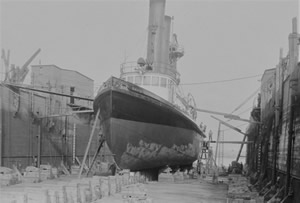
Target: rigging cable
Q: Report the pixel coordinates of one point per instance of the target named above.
(222, 81)
(246, 100)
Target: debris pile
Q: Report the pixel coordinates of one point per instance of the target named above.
(239, 190)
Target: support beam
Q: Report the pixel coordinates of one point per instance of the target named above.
(217, 143)
(74, 144)
(89, 143)
(95, 155)
(240, 151)
(45, 91)
(239, 131)
(293, 54)
(1, 120)
(68, 114)
(228, 125)
(39, 143)
(226, 115)
(233, 142)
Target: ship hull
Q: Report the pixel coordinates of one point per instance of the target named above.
(144, 131)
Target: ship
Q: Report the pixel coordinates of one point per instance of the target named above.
(147, 121)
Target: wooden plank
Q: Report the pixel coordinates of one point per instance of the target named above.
(78, 161)
(89, 143)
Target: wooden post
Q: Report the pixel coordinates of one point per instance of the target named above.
(95, 156)
(1, 113)
(293, 53)
(89, 143)
(278, 109)
(217, 143)
(39, 143)
(74, 143)
(65, 140)
(241, 148)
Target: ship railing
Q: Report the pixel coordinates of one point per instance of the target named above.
(163, 68)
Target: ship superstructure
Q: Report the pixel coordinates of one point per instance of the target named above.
(146, 120)
(158, 72)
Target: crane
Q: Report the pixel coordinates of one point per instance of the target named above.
(16, 74)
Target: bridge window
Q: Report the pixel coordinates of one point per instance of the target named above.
(155, 80)
(138, 80)
(163, 82)
(147, 80)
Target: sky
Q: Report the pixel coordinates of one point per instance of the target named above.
(223, 40)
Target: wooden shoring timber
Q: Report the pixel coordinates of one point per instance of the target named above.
(48, 92)
(233, 142)
(89, 143)
(84, 165)
(95, 155)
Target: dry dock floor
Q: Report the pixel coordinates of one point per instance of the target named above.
(183, 191)
(187, 191)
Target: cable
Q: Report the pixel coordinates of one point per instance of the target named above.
(221, 81)
(246, 100)
(245, 110)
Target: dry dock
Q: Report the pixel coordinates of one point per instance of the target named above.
(125, 188)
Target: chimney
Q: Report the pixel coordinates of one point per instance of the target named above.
(155, 32)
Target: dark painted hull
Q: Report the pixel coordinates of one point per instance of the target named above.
(143, 130)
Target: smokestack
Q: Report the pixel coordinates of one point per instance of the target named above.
(155, 31)
(166, 40)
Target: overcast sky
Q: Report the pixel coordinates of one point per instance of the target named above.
(222, 40)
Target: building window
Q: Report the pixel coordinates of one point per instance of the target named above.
(146, 80)
(138, 80)
(130, 79)
(155, 80)
(163, 82)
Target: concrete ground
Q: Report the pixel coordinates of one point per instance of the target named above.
(183, 191)
(187, 191)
